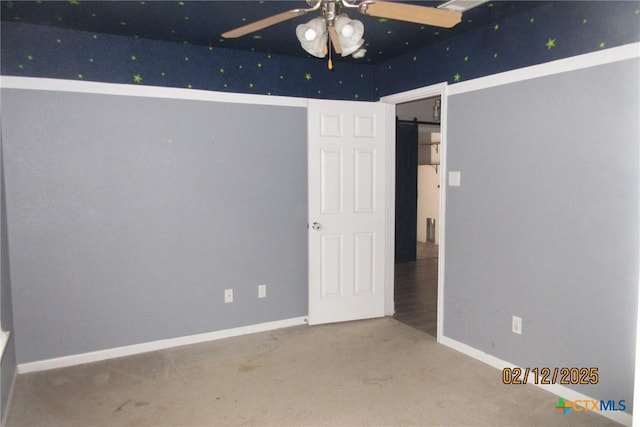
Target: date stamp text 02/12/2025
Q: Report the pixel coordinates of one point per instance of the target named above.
(550, 375)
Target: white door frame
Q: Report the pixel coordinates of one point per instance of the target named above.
(439, 89)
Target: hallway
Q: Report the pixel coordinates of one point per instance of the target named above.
(416, 290)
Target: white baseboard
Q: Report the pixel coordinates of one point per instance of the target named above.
(96, 356)
(557, 389)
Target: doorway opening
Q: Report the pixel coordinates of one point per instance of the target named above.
(417, 222)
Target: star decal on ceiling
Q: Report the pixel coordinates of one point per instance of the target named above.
(551, 43)
(307, 76)
(137, 78)
(456, 77)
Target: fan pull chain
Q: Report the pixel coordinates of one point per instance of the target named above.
(330, 63)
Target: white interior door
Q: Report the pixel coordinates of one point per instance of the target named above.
(347, 201)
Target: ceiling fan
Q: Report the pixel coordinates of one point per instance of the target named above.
(335, 28)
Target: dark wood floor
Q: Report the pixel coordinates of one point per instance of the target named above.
(416, 294)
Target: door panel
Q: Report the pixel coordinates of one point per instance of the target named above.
(365, 181)
(331, 279)
(332, 182)
(346, 210)
(364, 262)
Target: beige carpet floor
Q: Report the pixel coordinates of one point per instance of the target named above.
(368, 373)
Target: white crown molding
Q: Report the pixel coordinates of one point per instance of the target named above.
(60, 85)
(593, 59)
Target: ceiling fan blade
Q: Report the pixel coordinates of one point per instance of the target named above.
(411, 13)
(266, 22)
(334, 40)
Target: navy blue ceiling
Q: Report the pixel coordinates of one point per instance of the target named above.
(202, 22)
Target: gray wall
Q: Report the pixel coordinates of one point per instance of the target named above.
(8, 363)
(545, 224)
(129, 216)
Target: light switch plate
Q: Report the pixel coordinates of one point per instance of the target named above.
(454, 178)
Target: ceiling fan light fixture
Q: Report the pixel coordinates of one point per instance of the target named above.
(310, 35)
(350, 50)
(350, 32)
(313, 37)
(359, 53)
(347, 30)
(345, 34)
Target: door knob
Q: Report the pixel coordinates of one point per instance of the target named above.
(316, 226)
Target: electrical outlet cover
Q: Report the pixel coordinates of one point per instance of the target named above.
(516, 325)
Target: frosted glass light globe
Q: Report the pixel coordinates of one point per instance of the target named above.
(310, 35)
(347, 31)
(359, 53)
